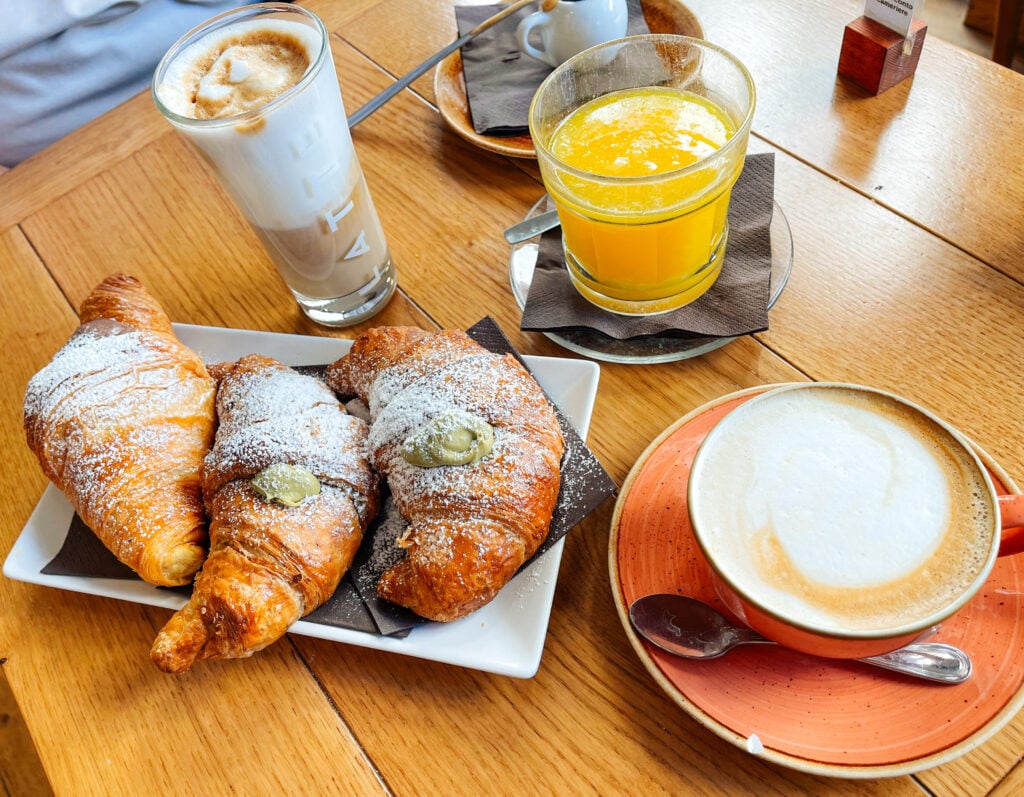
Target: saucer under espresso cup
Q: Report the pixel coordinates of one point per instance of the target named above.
(844, 521)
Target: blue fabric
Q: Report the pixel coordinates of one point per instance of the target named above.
(65, 62)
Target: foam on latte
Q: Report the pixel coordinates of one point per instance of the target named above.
(842, 509)
(243, 68)
(289, 165)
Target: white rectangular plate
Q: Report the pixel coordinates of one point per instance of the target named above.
(505, 637)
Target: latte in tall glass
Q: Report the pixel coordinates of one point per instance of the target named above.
(256, 92)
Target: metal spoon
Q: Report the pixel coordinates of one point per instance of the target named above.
(440, 55)
(692, 629)
(535, 225)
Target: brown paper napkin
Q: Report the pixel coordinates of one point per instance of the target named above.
(354, 605)
(500, 78)
(737, 304)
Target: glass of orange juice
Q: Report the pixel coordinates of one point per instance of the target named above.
(640, 141)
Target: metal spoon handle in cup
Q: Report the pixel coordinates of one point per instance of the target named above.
(691, 629)
(403, 82)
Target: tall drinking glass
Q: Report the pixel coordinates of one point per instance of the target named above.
(256, 92)
(640, 142)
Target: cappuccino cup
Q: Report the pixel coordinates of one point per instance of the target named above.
(571, 27)
(255, 91)
(844, 521)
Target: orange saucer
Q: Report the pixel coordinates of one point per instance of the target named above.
(825, 716)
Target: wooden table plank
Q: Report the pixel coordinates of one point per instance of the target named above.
(337, 16)
(935, 324)
(21, 771)
(918, 148)
(68, 677)
(402, 34)
(33, 327)
(1012, 784)
(940, 332)
(40, 318)
(77, 158)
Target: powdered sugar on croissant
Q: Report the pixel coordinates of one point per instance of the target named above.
(120, 420)
(289, 492)
(471, 525)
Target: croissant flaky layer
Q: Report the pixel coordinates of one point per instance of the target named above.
(471, 526)
(270, 564)
(120, 420)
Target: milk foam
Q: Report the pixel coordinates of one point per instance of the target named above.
(884, 494)
(841, 510)
(242, 79)
(309, 163)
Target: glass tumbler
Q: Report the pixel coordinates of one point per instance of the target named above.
(285, 156)
(640, 141)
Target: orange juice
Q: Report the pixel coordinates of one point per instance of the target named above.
(643, 212)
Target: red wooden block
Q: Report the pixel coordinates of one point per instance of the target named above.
(872, 54)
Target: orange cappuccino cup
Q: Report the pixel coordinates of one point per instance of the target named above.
(844, 521)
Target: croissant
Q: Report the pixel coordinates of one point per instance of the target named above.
(289, 492)
(120, 420)
(471, 450)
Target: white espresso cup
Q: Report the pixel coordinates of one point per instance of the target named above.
(571, 27)
(843, 521)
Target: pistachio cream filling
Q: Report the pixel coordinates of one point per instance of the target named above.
(452, 438)
(286, 484)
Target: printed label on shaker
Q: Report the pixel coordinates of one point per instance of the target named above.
(894, 14)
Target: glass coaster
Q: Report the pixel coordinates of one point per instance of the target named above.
(648, 349)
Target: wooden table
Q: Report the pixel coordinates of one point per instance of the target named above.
(907, 212)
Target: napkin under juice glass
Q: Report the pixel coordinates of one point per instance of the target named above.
(640, 141)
